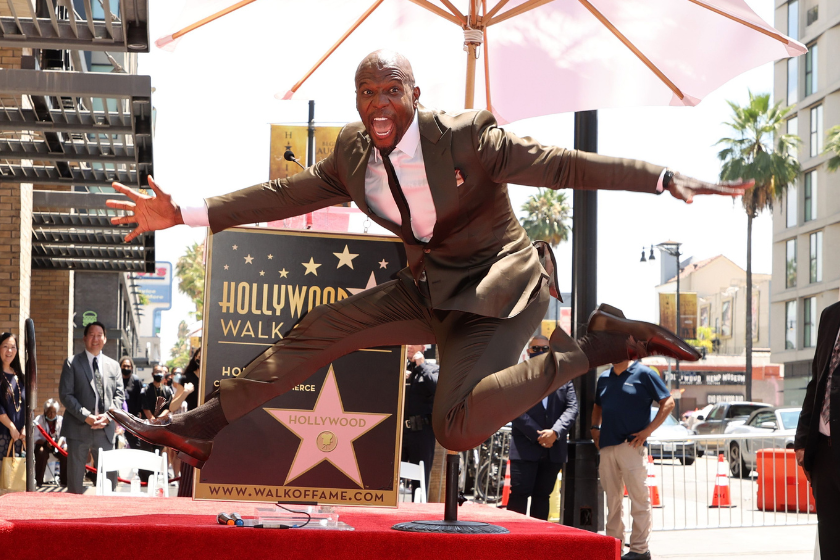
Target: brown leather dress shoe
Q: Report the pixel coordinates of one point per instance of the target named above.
(646, 339)
(193, 451)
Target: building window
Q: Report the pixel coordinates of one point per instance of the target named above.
(810, 196)
(816, 130)
(815, 257)
(793, 19)
(811, 58)
(790, 325)
(812, 15)
(790, 263)
(792, 80)
(790, 219)
(810, 322)
(793, 127)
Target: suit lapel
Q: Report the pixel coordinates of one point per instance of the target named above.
(436, 143)
(86, 368)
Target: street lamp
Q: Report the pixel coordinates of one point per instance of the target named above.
(672, 248)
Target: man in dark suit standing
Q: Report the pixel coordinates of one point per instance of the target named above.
(90, 384)
(475, 284)
(418, 442)
(817, 442)
(538, 444)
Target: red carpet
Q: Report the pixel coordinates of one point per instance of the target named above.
(54, 526)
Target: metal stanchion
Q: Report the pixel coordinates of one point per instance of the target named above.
(450, 523)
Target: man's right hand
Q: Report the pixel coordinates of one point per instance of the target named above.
(596, 437)
(150, 213)
(800, 460)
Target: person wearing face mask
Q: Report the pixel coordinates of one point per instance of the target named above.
(133, 388)
(418, 442)
(538, 444)
(51, 422)
(153, 411)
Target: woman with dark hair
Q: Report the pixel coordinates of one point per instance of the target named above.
(191, 373)
(12, 396)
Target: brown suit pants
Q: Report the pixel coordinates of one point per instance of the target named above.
(480, 387)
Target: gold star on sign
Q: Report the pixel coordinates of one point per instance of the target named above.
(311, 267)
(248, 259)
(383, 264)
(262, 273)
(345, 258)
(283, 273)
(270, 257)
(235, 247)
(226, 267)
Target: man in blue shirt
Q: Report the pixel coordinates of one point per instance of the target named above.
(620, 426)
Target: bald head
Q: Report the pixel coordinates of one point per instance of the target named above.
(386, 97)
(383, 59)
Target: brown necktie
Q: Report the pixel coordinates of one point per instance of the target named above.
(406, 232)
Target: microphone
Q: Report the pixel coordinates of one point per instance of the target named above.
(290, 156)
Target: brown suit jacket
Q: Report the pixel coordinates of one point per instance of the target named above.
(479, 258)
(808, 431)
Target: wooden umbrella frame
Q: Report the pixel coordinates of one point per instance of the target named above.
(477, 20)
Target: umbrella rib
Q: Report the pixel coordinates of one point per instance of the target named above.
(489, 15)
(520, 9)
(212, 17)
(627, 43)
(437, 10)
(777, 36)
(332, 49)
(454, 11)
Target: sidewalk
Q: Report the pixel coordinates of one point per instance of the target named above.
(791, 542)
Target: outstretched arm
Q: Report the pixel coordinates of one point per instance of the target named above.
(150, 213)
(508, 158)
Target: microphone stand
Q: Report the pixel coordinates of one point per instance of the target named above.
(452, 500)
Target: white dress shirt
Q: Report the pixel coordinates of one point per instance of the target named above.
(407, 159)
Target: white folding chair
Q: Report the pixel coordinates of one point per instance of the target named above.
(126, 460)
(410, 471)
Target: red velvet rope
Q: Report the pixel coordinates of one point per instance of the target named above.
(52, 442)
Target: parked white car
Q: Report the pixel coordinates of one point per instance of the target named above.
(778, 424)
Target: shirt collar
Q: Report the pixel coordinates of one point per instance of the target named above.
(409, 142)
(90, 356)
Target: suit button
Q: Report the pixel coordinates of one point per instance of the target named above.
(427, 251)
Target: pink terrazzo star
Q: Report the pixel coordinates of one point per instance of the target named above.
(327, 432)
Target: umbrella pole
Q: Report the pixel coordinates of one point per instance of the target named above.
(469, 97)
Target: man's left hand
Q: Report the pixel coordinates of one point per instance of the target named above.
(547, 438)
(685, 188)
(640, 438)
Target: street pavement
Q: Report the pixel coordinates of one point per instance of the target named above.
(792, 542)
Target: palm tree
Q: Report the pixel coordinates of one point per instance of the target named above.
(832, 145)
(548, 215)
(190, 272)
(750, 154)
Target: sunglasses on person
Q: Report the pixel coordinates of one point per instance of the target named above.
(535, 349)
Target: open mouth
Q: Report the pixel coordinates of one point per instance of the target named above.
(382, 127)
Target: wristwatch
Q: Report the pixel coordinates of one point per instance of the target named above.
(595, 428)
(666, 181)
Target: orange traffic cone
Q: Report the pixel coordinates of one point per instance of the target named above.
(506, 487)
(653, 485)
(720, 497)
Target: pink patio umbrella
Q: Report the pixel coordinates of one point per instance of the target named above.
(544, 57)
